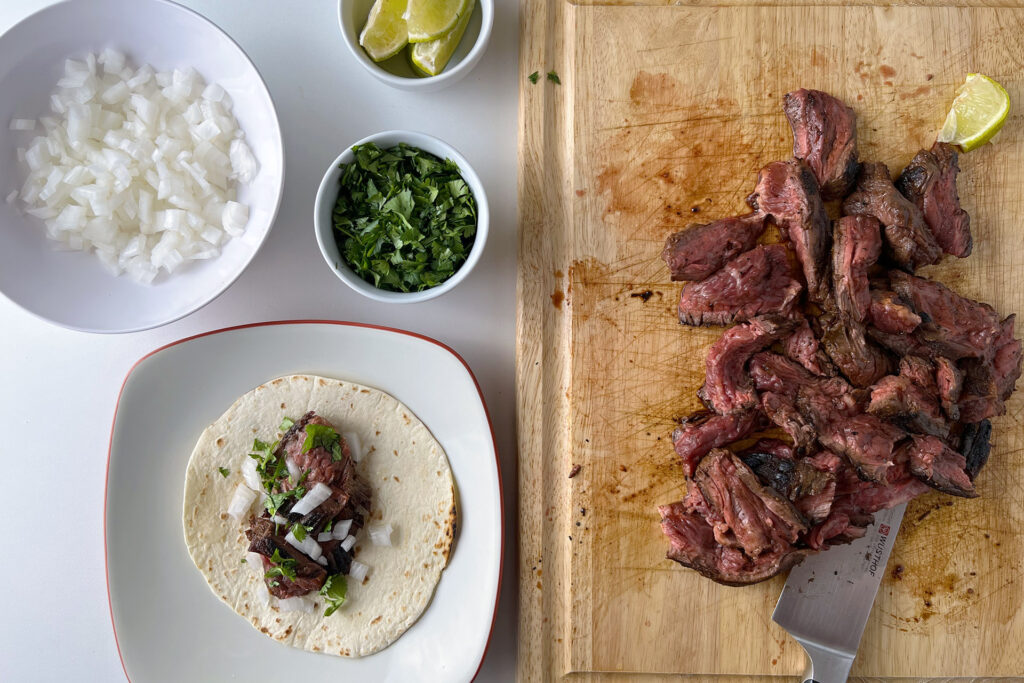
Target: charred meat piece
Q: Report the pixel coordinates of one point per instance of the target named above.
(825, 138)
(699, 251)
(318, 461)
(930, 183)
(803, 347)
(809, 483)
(781, 410)
(939, 466)
(338, 559)
(788, 192)
(989, 383)
(975, 444)
(949, 381)
(860, 361)
(309, 576)
(908, 240)
(890, 314)
(902, 400)
(704, 430)
(754, 283)
(955, 327)
(856, 247)
(727, 387)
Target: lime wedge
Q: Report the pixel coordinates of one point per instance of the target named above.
(979, 110)
(385, 33)
(431, 58)
(430, 19)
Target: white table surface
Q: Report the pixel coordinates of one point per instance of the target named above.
(58, 388)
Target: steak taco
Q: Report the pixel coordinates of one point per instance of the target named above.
(321, 511)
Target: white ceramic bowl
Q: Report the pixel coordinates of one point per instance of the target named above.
(327, 196)
(71, 288)
(397, 71)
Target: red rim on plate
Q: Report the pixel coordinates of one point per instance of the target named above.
(487, 414)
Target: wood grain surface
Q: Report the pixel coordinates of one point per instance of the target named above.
(663, 117)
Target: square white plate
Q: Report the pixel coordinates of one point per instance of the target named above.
(168, 624)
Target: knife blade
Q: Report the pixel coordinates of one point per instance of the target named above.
(827, 599)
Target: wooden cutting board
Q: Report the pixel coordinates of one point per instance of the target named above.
(663, 117)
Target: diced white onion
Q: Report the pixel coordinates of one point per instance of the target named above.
(347, 544)
(299, 603)
(293, 470)
(354, 447)
(241, 501)
(250, 475)
(278, 519)
(380, 534)
(322, 560)
(307, 545)
(140, 152)
(340, 529)
(358, 570)
(324, 536)
(313, 499)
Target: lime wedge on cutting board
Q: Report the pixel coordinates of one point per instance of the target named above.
(432, 57)
(385, 33)
(979, 110)
(430, 19)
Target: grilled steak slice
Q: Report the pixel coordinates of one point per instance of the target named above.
(809, 483)
(955, 327)
(856, 247)
(338, 559)
(782, 411)
(908, 403)
(847, 345)
(702, 431)
(949, 381)
(320, 463)
(701, 250)
(803, 347)
(727, 387)
(744, 513)
(788, 192)
(825, 138)
(774, 373)
(939, 466)
(692, 544)
(975, 444)
(989, 383)
(754, 283)
(908, 240)
(890, 314)
(930, 183)
(309, 576)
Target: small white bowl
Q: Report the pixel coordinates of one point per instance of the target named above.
(71, 288)
(327, 196)
(397, 71)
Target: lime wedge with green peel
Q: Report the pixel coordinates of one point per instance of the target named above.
(979, 110)
(430, 19)
(385, 33)
(431, 58)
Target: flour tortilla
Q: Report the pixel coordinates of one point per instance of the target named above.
(412, 488)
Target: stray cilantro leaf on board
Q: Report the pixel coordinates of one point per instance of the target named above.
(405, 220)
(553, 77)
(533, 77)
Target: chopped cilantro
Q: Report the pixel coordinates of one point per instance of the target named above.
(330, 525)
(283, 566)
(224, 471)
(404, 219)
(299, 532)
(274, 501)
(553, 77)
(244, 561)
(322, 436)
(533, 77)
(286, 424)
(334, 590)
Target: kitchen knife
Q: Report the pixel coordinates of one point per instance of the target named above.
(827, 599)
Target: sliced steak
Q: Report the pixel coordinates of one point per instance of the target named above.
(309, 576)
(809, 483)
(727, 387)
(847, 344)
(825, 138)
(908, 240)
(803, 347)
(890, 314)
(954, 326)
(975, 444)
(949, 381)
(788, 192)
(939, 466)
(989, 383)
(701, 250)
(757, 282)
(857, 244)
(930, 183)
(902, 400)
(702, 431)
(318, 461)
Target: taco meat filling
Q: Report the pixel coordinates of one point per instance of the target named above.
(315, 505)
